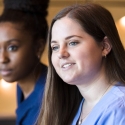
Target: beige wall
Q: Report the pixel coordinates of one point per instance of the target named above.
(116, 7)
(7, 99)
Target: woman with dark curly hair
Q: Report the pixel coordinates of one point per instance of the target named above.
(23, 31)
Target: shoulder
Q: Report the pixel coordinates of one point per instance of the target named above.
(114, 113)
(114, 116)
(117, 98)
(119, 93)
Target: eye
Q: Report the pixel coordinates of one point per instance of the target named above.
(12, 48)
(55, 48)
(73, 43)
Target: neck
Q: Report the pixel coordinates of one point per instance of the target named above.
(88, 106)
(27, 84)
(27, 87)
(92, 92)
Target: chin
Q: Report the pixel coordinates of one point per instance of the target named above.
(9, 80)
(69, 81)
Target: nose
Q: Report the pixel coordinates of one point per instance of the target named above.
(63, 53)
(3, 56)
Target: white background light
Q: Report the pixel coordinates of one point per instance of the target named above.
(122, 20)
(5, 85)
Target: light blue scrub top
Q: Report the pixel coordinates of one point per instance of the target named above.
(110, 110)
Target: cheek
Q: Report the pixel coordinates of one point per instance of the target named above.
(23, 58)
(87, 57)
(53, 60)
(80, 55)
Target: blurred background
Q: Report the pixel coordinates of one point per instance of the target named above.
(8, 90)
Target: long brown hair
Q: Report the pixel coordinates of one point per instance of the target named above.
(61, 101)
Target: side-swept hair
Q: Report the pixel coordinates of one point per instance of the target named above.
(61, 100)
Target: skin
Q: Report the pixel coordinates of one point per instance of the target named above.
(79, 60)
(17, 56)
(76, 56)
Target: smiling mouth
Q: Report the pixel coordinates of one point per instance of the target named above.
(68, 65)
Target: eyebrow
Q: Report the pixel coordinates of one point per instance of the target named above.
(13, 40)
(69, 37)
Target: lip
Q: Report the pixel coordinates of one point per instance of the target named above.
(5, 72)
(67, 65)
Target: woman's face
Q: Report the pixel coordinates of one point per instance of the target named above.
(76, 56)
(17, 54)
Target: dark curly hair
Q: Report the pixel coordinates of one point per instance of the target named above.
(30, 14)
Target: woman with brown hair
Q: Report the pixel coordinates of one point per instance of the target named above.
(86, 75)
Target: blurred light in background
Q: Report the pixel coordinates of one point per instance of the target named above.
(7, 99)
(122, 21)
(5, 85)
(121, 29)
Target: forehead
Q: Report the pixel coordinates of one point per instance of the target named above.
(12, 27)
(65, 27)
(16, 26)
(10, 30)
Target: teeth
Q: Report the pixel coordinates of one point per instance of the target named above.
(67, 65)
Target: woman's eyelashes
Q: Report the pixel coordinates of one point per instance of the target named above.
(70, 44)
(73, 43)
(55, 47)
(12, 48)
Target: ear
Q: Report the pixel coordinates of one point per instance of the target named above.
(40, 48)
(106, 46)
